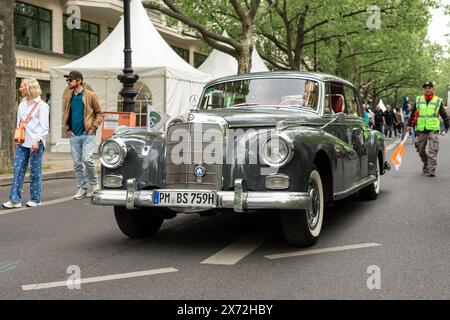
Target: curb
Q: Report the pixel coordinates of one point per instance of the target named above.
(62, 174)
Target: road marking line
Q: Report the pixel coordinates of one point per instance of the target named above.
(390, 147)
(8, 265)
(45, 203)
(393, 144)
(318, 251)
(238, 250)
(39, 286)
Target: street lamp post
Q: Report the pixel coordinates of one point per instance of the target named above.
(128, 78)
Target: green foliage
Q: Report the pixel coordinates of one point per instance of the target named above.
(387, 58)
(343, 38)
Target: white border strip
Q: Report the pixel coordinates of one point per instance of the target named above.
(66, 283)
(318, 251)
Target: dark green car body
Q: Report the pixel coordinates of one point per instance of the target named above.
(349, 156)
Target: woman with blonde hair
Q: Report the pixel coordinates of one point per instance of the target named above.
(33, 108)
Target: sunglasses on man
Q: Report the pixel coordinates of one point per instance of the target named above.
(70, 80)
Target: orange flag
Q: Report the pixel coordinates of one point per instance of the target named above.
(397, 155)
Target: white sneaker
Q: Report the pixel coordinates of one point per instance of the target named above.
(82, 193)
(11, 205)
(33, 204)
(95, 187)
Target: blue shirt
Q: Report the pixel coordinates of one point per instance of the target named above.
(405, 106)
(366, 117)
(77, 114)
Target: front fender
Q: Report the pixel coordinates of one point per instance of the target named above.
(376, 146)
(144, 161)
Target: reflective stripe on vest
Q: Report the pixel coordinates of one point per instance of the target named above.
(428, 114)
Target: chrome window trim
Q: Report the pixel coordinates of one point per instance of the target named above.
(268, 76)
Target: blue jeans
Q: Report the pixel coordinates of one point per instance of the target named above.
(82, 148)
(21, 159)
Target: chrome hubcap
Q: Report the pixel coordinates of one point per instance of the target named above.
(313, 213)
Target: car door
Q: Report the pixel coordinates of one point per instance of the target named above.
(357, 130)
(350, 158)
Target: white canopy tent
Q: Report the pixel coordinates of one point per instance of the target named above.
(170, 80)
(220, 64)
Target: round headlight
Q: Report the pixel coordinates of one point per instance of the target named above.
(113, 153)
(276, 151)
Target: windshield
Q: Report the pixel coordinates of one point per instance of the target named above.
(281, 92)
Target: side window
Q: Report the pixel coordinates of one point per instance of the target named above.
(359, 104)
(327, 104)
(350, 102)
(337, 98)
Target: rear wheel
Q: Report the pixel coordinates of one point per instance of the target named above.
(302, 227)
(140, 223)
(372, 191)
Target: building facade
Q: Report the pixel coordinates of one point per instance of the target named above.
(47, 36)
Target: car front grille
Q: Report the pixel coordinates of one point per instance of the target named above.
(182, 176)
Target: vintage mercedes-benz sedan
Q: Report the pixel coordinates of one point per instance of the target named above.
(282, 143)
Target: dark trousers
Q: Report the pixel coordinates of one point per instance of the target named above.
(429, 159)
(389, 129)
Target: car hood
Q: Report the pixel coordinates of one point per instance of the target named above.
(262, 116)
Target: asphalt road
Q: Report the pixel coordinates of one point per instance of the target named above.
(398, 245)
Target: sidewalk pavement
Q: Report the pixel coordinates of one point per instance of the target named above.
(55, 165)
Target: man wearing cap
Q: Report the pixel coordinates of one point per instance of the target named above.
(426, 114)
(82, 117)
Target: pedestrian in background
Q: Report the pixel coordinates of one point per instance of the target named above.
(390, 121)
(406, 104)
(400, 122)
(426, 114)
(378, 120)
(366, 115)
(82, 117)
(35, 113)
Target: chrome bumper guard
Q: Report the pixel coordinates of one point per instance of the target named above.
(240, 200)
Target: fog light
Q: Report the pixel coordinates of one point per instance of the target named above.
(278, 182)
(113, 181)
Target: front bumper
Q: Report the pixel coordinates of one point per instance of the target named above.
(240, 200)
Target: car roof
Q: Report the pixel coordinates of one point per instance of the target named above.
(280, 74)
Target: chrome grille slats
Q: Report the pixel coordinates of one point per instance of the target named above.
(182, 176)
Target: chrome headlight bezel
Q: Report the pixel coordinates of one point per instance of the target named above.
(122, 153)
(289, 144)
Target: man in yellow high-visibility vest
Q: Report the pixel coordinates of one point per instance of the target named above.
(426, 114)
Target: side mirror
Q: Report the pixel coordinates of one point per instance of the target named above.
(338, 117)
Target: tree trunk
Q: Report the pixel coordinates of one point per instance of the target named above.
(8, 108)
(245, 58)
(338, 70)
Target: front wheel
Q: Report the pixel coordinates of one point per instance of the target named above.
(302, 228)
(140, 223)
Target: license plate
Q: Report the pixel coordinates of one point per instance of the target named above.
(197, 199)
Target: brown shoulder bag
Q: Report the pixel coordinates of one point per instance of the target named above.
(19, 133)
